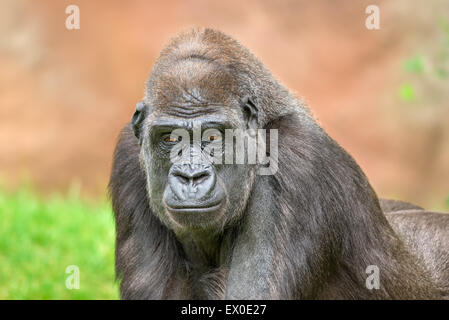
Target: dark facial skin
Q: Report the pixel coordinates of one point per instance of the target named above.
(194, 196)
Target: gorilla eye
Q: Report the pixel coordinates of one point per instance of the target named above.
(169, 139)
(214, 138)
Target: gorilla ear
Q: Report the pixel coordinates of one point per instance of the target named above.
(138, 117)
(250, 113)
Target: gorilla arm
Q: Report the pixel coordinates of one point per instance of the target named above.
(426, 235)
(252, 262)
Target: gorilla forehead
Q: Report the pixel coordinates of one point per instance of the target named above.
(193, 82)
(194, 87)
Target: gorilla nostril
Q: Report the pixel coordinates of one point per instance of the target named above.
(182, 179)
(195, 179)
(200, 178)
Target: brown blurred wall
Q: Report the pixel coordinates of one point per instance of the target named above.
(65, 94)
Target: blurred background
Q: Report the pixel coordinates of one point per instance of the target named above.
(65, 94)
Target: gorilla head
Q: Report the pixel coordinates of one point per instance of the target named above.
(191, 103)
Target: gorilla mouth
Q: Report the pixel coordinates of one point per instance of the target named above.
(182, 208)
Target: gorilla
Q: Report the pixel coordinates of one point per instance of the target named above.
(311, 228)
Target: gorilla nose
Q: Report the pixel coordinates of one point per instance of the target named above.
(193, 178)
(190, 181)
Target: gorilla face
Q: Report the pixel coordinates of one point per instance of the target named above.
(193, 191)
(182, 133)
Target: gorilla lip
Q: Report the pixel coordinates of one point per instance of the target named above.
(183, 209)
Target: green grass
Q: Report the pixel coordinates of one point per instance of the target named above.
(407, 92)
(40, 238)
